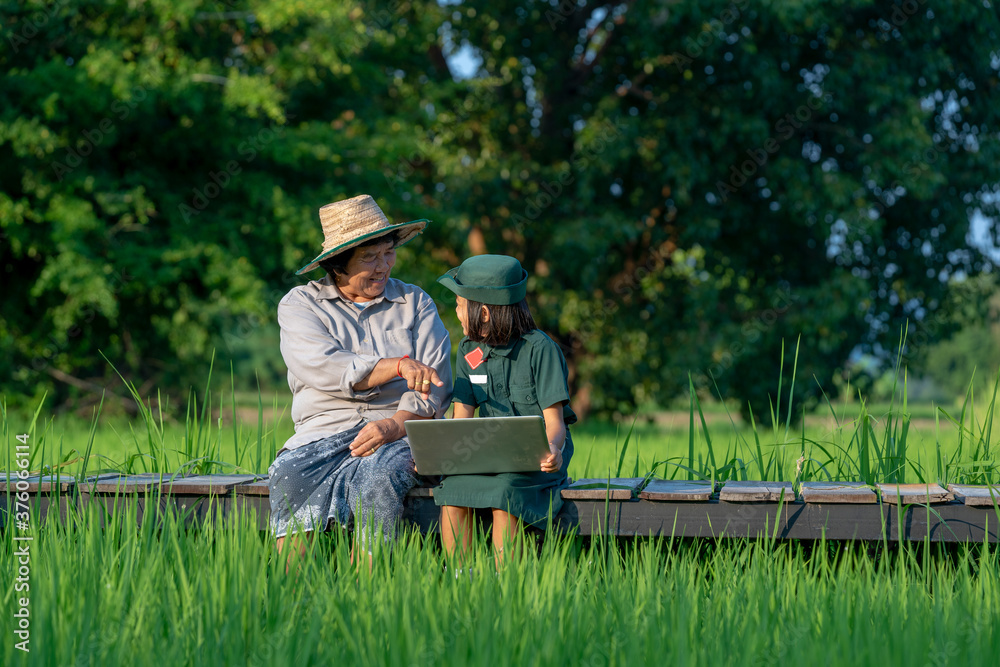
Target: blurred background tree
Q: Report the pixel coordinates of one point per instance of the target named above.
(969, 359)
(692, 186)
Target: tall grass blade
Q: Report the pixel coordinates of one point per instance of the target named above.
(692, 399)
(791, 388)
(621, 457)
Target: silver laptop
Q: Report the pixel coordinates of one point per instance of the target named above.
(478, 445)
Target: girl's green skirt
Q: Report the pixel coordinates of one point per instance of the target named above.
(528, 495)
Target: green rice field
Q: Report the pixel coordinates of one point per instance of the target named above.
(135, 593)
(127, 595)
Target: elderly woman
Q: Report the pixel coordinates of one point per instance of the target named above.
(365, 352)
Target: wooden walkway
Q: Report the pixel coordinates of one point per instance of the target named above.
(619, 507)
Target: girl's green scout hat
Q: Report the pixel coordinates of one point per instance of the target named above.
(496, 280)
(353, 221)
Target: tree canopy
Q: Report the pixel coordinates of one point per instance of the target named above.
(693, 186)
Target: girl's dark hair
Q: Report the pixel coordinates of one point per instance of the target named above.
(338, 263)
(507, 323)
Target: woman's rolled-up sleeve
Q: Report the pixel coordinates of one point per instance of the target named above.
(316, 358)
(431, 346)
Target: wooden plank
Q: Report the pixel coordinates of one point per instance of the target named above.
(118, 483)
(9, 480)
(950, 522)
(976, 495)
(677, 490)
(254, 505)
(837, 492)
(908, 494)
(616, 488)
(756, 492)
(38, 484)
(205, 485)
(113, 503)
(258, 488)
(196, 509)
(56, 483)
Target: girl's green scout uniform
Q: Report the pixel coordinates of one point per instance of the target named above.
(520, 378)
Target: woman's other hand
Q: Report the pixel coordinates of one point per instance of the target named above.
(552, 462)
(375, 434)
(419, 377)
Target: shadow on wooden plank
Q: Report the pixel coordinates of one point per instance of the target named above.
(601, 489)
(837, 492)
(677, 490)
(914, 494)
(754, 492)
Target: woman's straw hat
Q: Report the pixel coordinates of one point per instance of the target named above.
(353, 221)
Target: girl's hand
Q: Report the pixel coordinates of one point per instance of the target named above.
(555, 432)
(419, 377)
(552, 462)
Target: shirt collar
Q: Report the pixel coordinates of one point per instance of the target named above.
(326, 290)
(501, 350)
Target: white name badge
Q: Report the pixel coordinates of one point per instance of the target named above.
(478, 379)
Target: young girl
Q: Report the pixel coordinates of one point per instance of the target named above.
(506, 367)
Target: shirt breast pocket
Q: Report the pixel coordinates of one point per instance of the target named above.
(398, 343)
(524, 399)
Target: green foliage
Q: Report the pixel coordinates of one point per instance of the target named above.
(692, 185)
(972, 354)
(973, 350)
(160, 184)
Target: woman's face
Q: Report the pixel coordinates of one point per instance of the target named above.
(367, 272)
